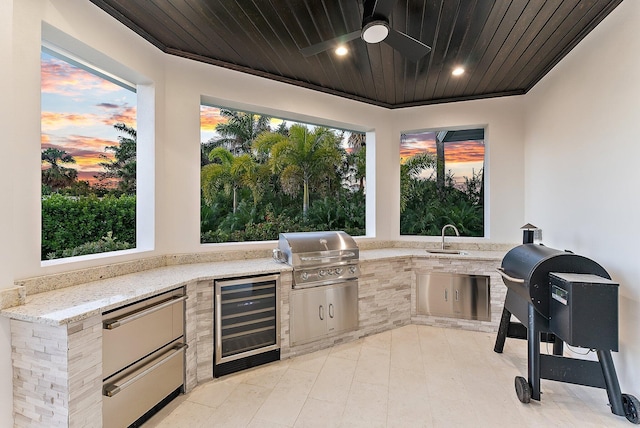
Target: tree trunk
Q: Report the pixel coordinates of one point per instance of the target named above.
(235, 199)
(440, 162)
(305, 198)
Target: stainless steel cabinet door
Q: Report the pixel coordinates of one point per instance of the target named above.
(342, 307)
(309, 313)
(433, 294)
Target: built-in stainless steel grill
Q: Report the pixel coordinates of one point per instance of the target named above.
(318, 258)
(563, 297)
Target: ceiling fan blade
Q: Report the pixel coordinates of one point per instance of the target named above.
(328, 44)
(406, 45)
(379, 8)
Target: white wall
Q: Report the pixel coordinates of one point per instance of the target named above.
(177, 86)
(503, 121)
(581, 161)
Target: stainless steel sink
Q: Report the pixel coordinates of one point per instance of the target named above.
(459, 252)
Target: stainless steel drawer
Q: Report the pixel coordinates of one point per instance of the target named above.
(130, 394)
(135, 331)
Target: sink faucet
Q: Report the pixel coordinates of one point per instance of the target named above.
(455, 229)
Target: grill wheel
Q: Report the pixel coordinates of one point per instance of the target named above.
(631, 406)
(523, 389)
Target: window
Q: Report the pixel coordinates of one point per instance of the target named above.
(262, 175)
(88, 155)
(442, 182)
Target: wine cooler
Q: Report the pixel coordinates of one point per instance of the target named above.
(247, 323)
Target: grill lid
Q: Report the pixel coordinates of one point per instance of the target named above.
(526, 271)
(306, 249)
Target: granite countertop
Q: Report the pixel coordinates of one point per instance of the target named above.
(71, 304)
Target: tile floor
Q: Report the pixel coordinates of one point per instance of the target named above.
(413, 376)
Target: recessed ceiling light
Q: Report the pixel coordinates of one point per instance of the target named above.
(458, 71)
(341, 51)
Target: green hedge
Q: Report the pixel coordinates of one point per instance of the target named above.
(69, 222)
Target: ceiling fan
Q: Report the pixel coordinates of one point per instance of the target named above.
(376, 29)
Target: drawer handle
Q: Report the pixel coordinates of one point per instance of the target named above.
(508, 277)
(330, 310)
(112, 389)
(114, 323)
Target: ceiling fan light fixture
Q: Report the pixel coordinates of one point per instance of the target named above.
(375, 31)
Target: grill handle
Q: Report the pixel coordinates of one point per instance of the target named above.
(316, 258)
(508, 277)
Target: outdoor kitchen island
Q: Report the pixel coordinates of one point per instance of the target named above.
(57, 334)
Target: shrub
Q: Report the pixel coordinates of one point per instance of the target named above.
(69, 222)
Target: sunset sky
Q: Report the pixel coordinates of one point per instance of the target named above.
(79, 110)
(462, 157)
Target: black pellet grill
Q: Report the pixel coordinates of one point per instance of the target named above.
(562, 297)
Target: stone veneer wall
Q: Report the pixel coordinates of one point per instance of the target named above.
(497, 288)
(57, 374)
(44, 356)
(384, 302)
(204, 331)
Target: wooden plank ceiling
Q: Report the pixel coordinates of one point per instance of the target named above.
(505, 46)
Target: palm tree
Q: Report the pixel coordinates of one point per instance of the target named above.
(357, 140)
(239, 131)
(57, 176)
(411, 169)
(302, 158)
(229, 173)
(123, 167)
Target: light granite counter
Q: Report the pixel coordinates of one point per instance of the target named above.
(71, 304)
(57, 323)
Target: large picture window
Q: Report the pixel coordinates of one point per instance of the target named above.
(262, 175)
(442, 182)
(88, 159)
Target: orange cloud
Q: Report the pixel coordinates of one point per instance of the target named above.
(455, 152)
(60, 77)
(51, 120)
(121, 114)
(210, 118)
(464, 151)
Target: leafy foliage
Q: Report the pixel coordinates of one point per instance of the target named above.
(122, 169)
(69, 222)
(427, 210)
(103, 245)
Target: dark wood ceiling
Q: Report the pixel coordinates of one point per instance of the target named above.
(506, 46)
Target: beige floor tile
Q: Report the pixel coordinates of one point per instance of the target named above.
(373, 366)
(349, 351)
(367, 403)
(267, 375)
(312, 362)
(413, 376)
(187, 415)
(334, 381)
(213, 393)
(240, 407)
(320, 414)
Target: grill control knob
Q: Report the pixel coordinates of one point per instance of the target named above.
(322, 272)
(330, 271)
(352, 269)
(304, 276)
(338, 271)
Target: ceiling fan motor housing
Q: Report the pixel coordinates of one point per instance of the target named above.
(374, 29)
